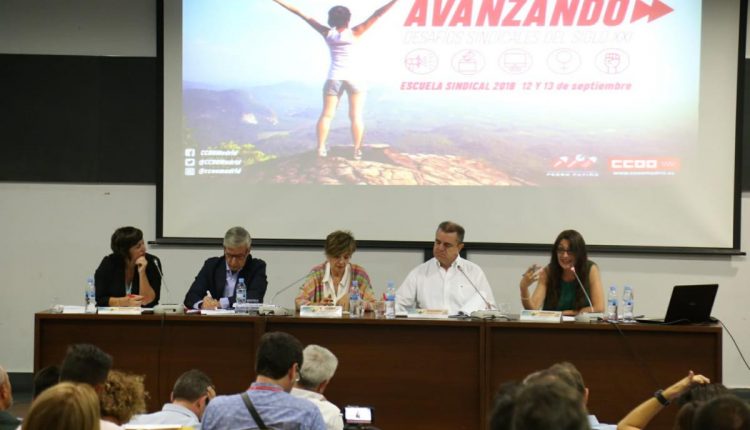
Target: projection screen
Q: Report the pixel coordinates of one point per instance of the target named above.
(516, 119)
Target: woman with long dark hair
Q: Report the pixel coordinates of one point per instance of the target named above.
(557, 287)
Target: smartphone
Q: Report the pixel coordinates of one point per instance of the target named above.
(357, 415)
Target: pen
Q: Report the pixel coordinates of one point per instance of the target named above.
(208, 293)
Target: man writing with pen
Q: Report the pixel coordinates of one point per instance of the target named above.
(214, 286)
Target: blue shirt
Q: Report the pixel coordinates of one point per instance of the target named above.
(278, 409)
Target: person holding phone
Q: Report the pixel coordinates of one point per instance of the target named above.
(558, 287)
(129, 276)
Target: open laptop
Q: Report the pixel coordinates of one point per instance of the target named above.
(688, 304)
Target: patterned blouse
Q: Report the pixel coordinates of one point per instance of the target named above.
(313, 290)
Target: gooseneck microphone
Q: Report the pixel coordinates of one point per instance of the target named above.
(157, 264)
(580, 284)
(491, 312)
(272, 309)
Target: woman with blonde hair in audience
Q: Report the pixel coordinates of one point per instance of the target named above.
(123, 397)
(65, 406)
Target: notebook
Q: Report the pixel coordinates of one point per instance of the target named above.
(688, 304)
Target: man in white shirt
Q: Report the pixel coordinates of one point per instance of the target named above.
(446, 281)
(318, 366)
(191, 393)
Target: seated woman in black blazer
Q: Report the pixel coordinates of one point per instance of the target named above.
(129, 276)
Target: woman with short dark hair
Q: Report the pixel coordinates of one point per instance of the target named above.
(329, 283)
(129, 276)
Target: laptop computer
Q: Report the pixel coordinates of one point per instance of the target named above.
(688, 304)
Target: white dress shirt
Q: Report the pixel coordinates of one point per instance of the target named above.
(170, 414)
(331, 413)
(429, 286)
(339, 291)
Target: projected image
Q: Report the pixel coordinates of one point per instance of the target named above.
(428, 92)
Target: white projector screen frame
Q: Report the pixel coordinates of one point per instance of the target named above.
(691, 208)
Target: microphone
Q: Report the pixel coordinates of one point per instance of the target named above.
(489, 312)
(157, 264)
(588, 315)
(272, 309)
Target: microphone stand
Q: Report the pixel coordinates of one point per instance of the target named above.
(488, 313)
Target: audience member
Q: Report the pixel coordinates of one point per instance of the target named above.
(86, 364)
(214, 286)
(7, 421)
(549, 405)
(446, 281)
(319, 365)
(567, 373)
(45, 378)
(503, 406)
(65, 406)
(727, 412)
(124, 396)
(639, 417)
(190, 396)
(267, 403)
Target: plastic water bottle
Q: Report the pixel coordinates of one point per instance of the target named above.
(355, 304)
(390, 301)
(90, 296)
(611, 313)
(240, 303)
(627, 304)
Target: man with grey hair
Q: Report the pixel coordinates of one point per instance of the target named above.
(190, 396)
(7, 421)
(214, 286)
(318, 366)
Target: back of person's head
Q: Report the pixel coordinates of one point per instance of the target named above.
(702, 393)
(45, 378)
(64, 406)
(85, 363)
(339, 16)
(726, 412)
(319, 366)
(123, 239)
(191, 385)
(550, 405)
(563, 372)
(501, 417)
(277, 353)
(124, 396)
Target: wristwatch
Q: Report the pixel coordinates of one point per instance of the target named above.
(660, 397)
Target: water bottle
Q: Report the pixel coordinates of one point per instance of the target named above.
(240, 303)
(90, 296)
(627, 304)
(390, 301)
(355, 304)
(611, 313)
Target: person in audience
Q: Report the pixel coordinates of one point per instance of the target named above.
(214, 286)
(727, 412)
(45, 378)
(278, 359)
(345, 74)
(549, 405)
(329, 283)
(557, 286)
(568, 374)
(124, 396)
(446, 281)
(190, 396)
(129, 276)
(319, 365)
(86, 363)
(7, 421)
(639, 417)
(65, 406)
(503, 406)
(692, 399)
